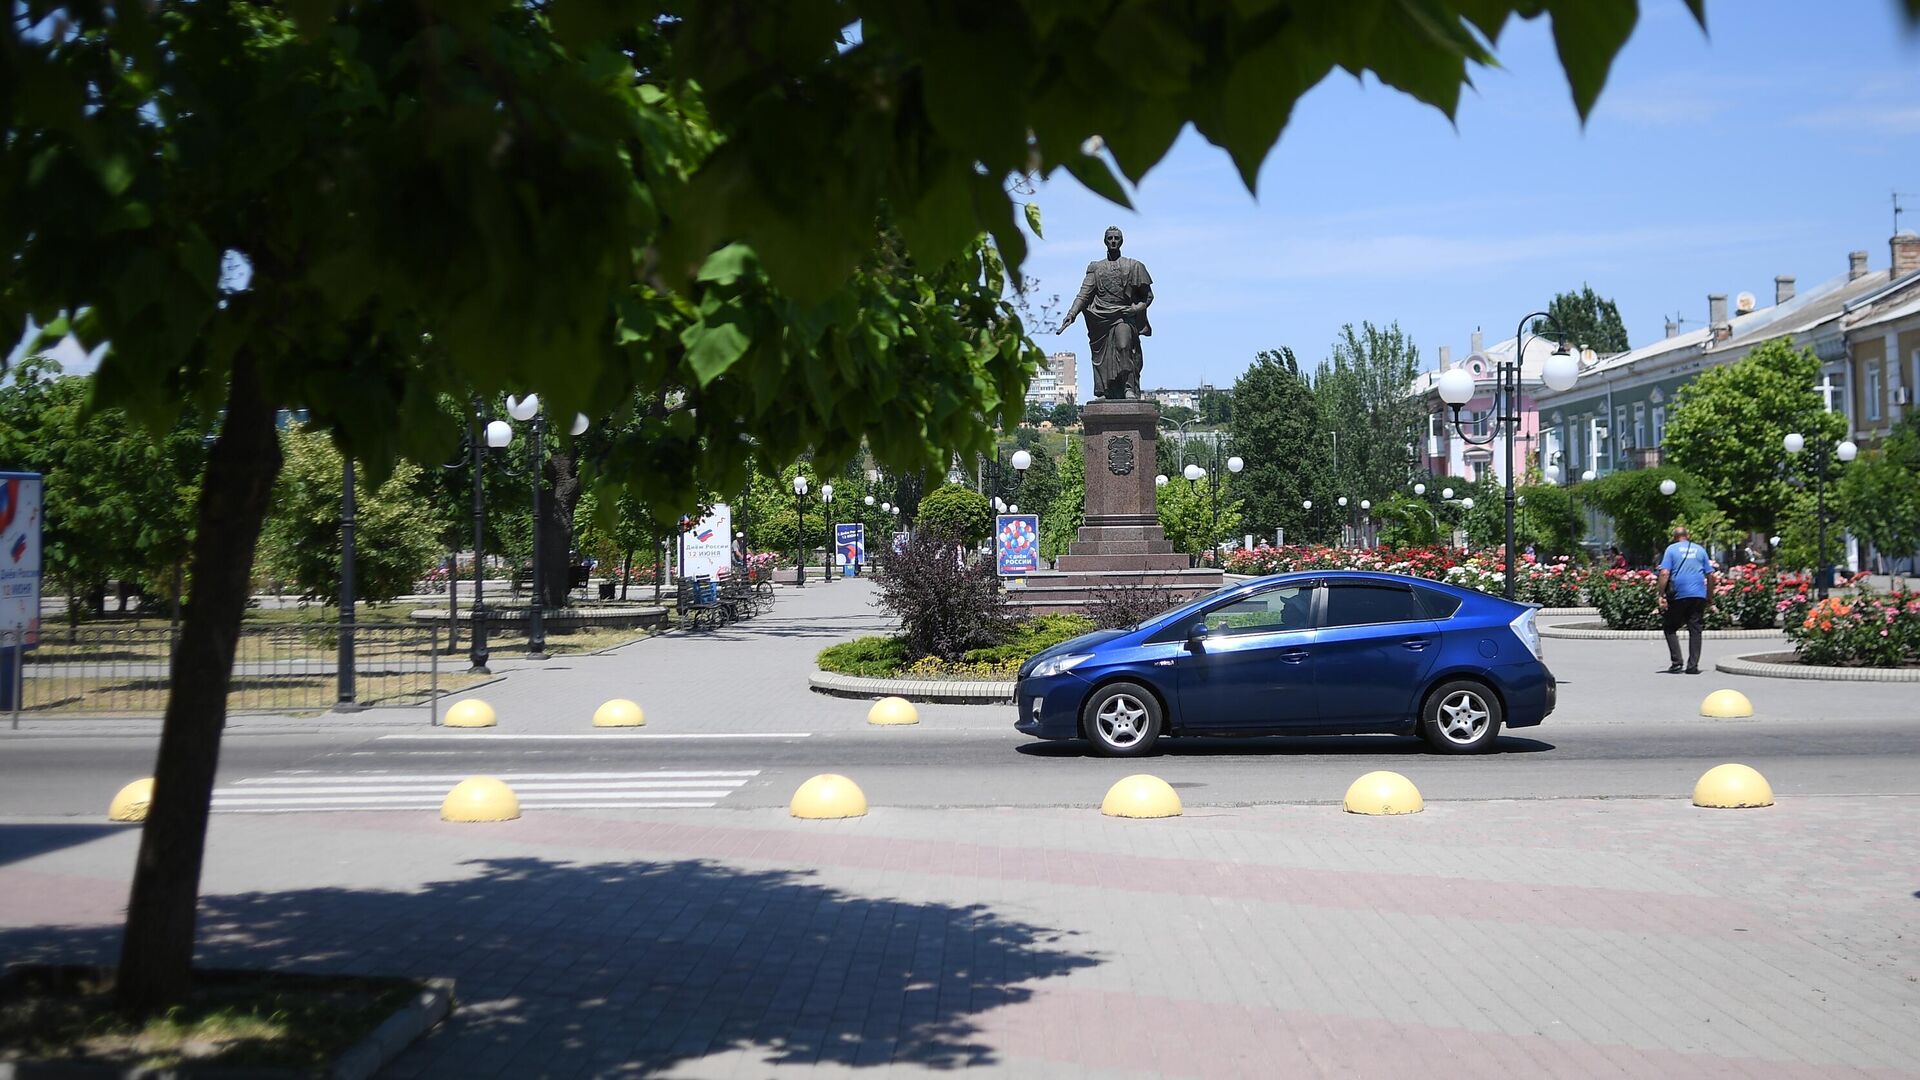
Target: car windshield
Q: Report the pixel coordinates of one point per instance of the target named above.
(1174, 615)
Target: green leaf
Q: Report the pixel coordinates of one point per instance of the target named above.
(1587, 34)
(712, 349)
(1033, 220)
(1094, 173)
(724, 267)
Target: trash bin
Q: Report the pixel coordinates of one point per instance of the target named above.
(606, 590)
(847, 570)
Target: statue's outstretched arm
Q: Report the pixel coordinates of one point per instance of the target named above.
(1079, 302)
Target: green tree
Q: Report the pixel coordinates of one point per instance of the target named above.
(118, 497)
(1588, 319)
(1178, 414)
(1406, 521)
(1216, 407)
(957, 512)
(394, 544)
(1642, 516)
(489, 196)
(1066, 414)
(1277, 430)
(1035, 490)
(1879, 494)
(1363, 396)
(1187, 514)
(1544, 515)
(1728, 422)
(1061, 520)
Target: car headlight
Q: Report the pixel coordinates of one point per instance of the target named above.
(1059, 665)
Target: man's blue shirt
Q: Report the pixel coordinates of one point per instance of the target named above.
(1687, 566)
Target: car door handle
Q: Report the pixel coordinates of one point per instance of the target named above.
(1293, 656)
(1416, 644)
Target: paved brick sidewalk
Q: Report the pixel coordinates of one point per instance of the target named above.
(1572, 938)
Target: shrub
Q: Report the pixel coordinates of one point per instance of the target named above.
(1122, 606)
(1866, 630)
(957, 513)
(1029, 636)
(946, 605)
(1627, 599)
(871, 657)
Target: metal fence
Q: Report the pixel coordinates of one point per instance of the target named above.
(277, 668)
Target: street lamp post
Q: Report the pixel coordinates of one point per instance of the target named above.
(498, 435)
(826, 514)
(1845, 450)
(346, 699)
(800, 531)
(1457, 388)
(529, 409)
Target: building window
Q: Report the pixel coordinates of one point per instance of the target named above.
(1620, 421)
(1640, 425)
(1659, 424)
(1873, 391)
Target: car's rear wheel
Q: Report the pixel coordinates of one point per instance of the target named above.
(1461, 717)
(1122, 720)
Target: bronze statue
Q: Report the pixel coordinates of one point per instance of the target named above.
(1115, 296)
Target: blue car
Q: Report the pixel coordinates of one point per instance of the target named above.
(1332, 652)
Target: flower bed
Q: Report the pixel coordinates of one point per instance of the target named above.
(1555, 584)
(1865, 630)
(1744, 598)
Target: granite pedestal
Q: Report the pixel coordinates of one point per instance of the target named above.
(1122, 544)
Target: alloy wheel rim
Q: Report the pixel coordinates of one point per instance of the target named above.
(1122, 720)
(1463, 717)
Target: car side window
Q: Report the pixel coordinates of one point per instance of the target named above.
(1439, 605)
(1287, 608)
(1353, 603)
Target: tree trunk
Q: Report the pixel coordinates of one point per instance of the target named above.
(156, 954)
(556, 525)
(626, 573)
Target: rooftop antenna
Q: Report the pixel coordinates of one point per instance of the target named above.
(1898, 209)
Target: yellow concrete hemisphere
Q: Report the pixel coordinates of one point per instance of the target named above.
(619, 713)
(470, 713)
(480, 798)
(1141, 796)
(1383, 792)
(892, 711)
(130, 802)
(1726, 703)
(828, 795)
(1732, 787)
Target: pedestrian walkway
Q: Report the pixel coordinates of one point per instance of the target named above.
(306, 791)
(1570, 938)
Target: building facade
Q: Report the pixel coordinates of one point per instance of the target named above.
(1058, 383)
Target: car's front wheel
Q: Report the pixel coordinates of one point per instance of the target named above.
(1461, 717)
(1122, 720)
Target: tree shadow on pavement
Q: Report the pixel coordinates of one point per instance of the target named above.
(20, 841)
(630, 968)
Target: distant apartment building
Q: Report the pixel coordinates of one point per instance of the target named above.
(1058, 383)
(1186, 399)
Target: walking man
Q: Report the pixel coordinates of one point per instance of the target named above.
(1686, 581)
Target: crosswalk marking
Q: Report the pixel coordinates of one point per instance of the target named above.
(307, 790)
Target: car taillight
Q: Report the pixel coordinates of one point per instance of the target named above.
(1529, 634)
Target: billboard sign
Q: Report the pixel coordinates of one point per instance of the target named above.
(706, 546)
(1016, 544)
(850, 544)
(20, 558)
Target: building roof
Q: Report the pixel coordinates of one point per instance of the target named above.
(1538, 349)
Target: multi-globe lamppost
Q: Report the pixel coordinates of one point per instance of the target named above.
(800, 531)
(528, 409)
(1457, 387)
(1846, 451)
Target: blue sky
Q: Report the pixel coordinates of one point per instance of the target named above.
(1768, 145)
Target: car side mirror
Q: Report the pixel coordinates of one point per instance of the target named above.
(1197, 634)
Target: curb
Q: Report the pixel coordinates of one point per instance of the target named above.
(384, 1043)
(1557, 611)
(1770, 669)
(1590, 632)
(358, 1062)
(937, 691)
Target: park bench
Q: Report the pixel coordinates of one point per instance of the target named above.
(698, 603)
